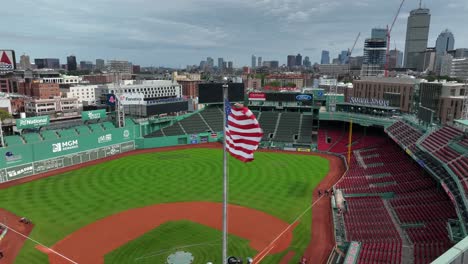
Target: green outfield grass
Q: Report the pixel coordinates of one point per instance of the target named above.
(276, 183)
(155, 246)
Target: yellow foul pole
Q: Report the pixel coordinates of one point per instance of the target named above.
(350, 140)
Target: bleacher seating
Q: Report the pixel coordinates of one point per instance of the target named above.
(288, 127)
(268, 123)
(108, 125)
(406, 134)
(13, 140)
(416, 200)
(440, 138)
(96, 127)
(49, 134)
(368, 221)
(157, 133)
(437, 143)
(305, 133)
(194, 124)
(31, 137)
(214, 117)
(173, 130)
(83, 130)
(66, 133)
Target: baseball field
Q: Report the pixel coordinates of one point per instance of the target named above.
(143, 208)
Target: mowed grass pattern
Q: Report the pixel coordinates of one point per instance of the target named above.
(154, 247)
(276, 183)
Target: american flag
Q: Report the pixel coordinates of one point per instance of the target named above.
(243, 133)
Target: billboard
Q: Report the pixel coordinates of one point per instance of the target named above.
(131, 98)
(7, 61)
(93, 115)
(175, 107)
(257, 97)
(32, 122)
(213, 92)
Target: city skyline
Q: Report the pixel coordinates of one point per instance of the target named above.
(182, 33)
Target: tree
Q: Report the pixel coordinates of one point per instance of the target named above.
(290, 84)
(4, 115)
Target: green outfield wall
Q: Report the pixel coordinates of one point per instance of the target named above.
(25, 160)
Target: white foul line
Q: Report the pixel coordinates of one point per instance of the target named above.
(37, 242)
(269, 247)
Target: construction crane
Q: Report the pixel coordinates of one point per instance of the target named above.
(389, 31)
(350, 51)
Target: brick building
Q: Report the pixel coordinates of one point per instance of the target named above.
(38, 89)
(8, 85)
(400, 91)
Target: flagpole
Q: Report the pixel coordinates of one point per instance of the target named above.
(225, 179)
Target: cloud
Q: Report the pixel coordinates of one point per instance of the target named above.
(156, 32)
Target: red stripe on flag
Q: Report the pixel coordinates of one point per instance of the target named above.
(243, 121)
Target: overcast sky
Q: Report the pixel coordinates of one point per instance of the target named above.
(180, 32)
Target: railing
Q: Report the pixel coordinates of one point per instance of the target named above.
(357, 118)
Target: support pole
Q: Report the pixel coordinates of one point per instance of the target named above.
(350, 140)
(225, 177)
(1, 135)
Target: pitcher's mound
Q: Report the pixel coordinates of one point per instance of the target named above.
(180, 257)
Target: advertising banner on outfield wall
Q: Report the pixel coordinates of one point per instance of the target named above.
(32, 122)
(23, 154)
(93, 115)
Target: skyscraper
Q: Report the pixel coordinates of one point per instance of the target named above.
(254, 61)
(445, 42)
(325, 57)
(291, 60)
(417, 33)
(395, 59)
(230, 65)
(209, 62)
(86, 65)
(379, 33)
(100, 64)
(307, 62)
(47, 63)
(71, 63)
(343, 57)
(374, 57)
(259, 61)
(220, 63)
(25, 62)
(299, 60)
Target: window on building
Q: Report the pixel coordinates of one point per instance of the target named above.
(452, 92)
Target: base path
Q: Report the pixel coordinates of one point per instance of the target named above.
(91, 243)
(12, 243)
